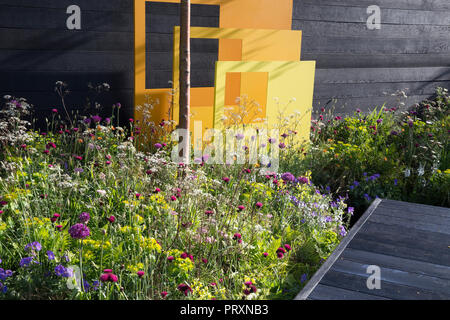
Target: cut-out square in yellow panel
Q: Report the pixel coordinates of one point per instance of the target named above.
(256, 45)
(290, 91)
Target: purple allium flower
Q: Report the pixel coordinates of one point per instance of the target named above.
(158, 145)
(96, 119)
(107, 120)
(328, 219)
(84, 217)
(303, 180)
(62, 271)
(78, 170)
(379, 121)
(79, 231)
(288, 177)
(282, 145)
(87, 120)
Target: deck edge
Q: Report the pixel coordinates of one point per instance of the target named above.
(317, 277)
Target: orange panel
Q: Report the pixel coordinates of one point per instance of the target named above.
(256, 14)
(230, 49)
(202, 97)
(232, 88)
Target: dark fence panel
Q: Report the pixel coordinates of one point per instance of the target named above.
(363, 68)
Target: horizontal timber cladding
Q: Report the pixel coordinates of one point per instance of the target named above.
(362, 68)
(161, 18)
(357, 67)
(37, 50)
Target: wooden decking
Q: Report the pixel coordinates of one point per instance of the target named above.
(410, 243)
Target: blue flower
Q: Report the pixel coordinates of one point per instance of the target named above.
(303, 278)
(356, 183)
(3, 288)
(62, 271)
(33, 246)
(351, 210)
(50, 255)
(368, 198)
(25, 262)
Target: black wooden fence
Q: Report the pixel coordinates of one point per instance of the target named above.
(357, 66)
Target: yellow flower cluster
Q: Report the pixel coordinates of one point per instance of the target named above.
(96, 244)
(36, 222)
(135, 268)
(3, 226)
(149, 244)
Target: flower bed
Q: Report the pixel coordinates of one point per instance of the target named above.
(84, 215)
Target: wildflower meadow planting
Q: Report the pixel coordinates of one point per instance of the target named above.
(90, 209)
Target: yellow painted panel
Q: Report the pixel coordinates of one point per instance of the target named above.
(254, 88)
(257, 45)
(288, 81)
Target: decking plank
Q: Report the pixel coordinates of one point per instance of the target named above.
(323, 292)
(409, 242)
(395, 276)
(409, 265)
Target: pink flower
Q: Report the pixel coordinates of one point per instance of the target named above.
(265, 254)
(259, 205)
(112, 219)
(157, 190)
(140, 273)
(170, 258)
(241, 208)
(59, 227)
(225, 179)
(287, 247)
(164, 294)
(184, 288)
(138, 195)
(173, 198)
(54, 110)
(205, 261)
